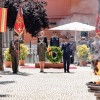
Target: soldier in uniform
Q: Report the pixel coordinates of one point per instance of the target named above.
(41, 49)
(54, 40)
(95, 49)
(14, 51)
(73, 47)
(44, 38)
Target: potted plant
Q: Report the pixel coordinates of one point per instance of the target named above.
(23, 54)
(7, 58)
(83, 53)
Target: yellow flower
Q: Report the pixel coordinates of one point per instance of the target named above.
(83, 51)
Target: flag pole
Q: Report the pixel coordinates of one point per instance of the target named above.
(19, 28)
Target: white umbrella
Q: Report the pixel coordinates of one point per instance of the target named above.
(74, 26)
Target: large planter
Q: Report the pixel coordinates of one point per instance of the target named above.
(8, 64)
(83, 63)
(50, 65)
(22, 62)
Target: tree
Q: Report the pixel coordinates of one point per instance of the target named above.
(34, 14)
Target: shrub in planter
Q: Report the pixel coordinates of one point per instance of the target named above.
(23, 52)
(7, 58)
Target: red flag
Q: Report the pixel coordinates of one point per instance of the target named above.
(3, 19)
(19, 24)
(98, 24)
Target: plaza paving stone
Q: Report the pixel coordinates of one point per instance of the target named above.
(54, 84)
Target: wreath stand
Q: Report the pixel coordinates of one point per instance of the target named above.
(50, 65)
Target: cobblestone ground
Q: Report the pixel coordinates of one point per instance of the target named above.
(30, 84)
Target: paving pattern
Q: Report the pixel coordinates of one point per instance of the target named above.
(30, 84)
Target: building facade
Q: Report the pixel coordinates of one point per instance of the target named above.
(61, 12)
(66, 11)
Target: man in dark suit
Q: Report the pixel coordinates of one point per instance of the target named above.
(66, 47)
(14, 51)
(54, 40)
(41, 33)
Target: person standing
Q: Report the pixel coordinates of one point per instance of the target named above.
(41, 49)
(73, 47)
(14, 51)
(66, 48)
(41, 34)
(54, 40)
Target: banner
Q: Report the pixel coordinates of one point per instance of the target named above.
(3, 19)
(19, 23)
(98, 24)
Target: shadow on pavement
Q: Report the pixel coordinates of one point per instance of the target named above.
(11, 73)
(6, 82)
(4, 95)
(58, 72)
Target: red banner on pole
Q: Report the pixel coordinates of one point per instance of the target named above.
(19, 24)
(98, 24)
(3, 19)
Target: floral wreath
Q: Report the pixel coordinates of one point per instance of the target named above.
(54, 54)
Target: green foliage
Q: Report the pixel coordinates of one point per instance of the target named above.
(34, 14)
(54, 50)
(7, 56)
(83, 52)
(23, 52)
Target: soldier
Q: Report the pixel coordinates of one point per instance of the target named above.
(83, 41)
(41, 49)
(54, 40)
(14, 51)
(95, 49)
(73, 47)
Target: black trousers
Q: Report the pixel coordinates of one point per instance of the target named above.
(14, 63)
(66, 61)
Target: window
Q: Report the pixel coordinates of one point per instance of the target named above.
(84, 33)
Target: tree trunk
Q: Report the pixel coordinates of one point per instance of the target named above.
(1, 58)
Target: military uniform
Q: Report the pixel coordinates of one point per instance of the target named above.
(14, 51)
(95, 48)
(95, 51)
(41, 49)
(44, 40)
(54, 41)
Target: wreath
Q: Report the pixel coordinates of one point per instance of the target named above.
(54, 54)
